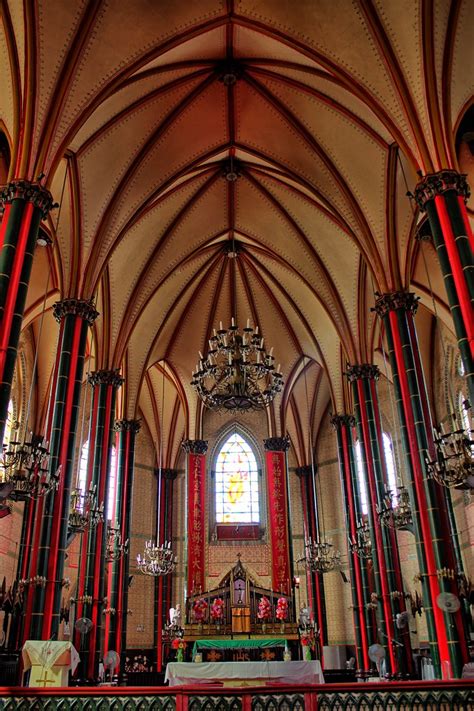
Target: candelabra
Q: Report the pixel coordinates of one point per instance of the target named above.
(238, 373)
(26, 472)
(320, 557)
(453, 465)
(115, 548)
(395, 510)
(361, 543)
(84, 512)
(157, 560)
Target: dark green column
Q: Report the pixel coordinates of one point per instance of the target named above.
(22, 205)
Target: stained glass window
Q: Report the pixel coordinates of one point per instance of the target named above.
(390, 462)
(237, 488)
(9, 424)
(361, 477)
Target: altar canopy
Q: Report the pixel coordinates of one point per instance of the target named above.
(49, 662)
(244, 673)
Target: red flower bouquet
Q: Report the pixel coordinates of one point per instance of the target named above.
(217, 609)
(281, 608)
(264, 609)
(178, 643)
(200, 609)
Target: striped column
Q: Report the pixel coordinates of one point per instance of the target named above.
(116, 624)
(163, 585)
(196, 483)
(90, 586)
(443, 196)
(74, 318)
(384, 543)
(344, 424)
(23, 205)
(317, 597)
(436, 558)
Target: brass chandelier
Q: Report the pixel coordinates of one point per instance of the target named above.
(453, 465)
(361, 543)
(26, 473)
(237, 373)
(84, 513)
(395, 510)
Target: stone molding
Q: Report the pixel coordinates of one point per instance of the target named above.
(127, 426)
(435, 184)
(344, 420)
(106, 377)
(195, 446)
(405, 300)
(364, 370)
(277, 444)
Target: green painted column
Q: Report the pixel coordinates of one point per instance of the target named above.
(23, 205)
(436, 558)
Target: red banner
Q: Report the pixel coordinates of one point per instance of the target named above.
(278, 513)
(196, 508)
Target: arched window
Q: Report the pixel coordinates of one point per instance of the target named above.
(7, 436)
(361, 477)
(390, 464)
(112, 485)
(82, 477)
(236, 483)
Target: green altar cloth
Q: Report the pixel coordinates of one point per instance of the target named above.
(236, 644)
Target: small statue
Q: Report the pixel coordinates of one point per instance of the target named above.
(305, 616)
(175, 615)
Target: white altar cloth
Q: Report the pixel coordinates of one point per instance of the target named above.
(259, 672)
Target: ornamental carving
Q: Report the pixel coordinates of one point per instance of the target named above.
(338, 421)
(195, 446)
(405, 300)
(127, 426)
(305, 471)
(277, 444)
(31, 192)
(77, 307)
(167, 473)
(366, 370)
(438, 183)
(106, 377)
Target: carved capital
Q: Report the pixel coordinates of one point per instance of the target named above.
(405, 300)
(438, 183)
(106, 377)
(366, 370)
(277, 444)
(168, 473)
(305, 471)
(77, 307)
(344, 420)
(127, 426)
(195, 446)
(26, 190)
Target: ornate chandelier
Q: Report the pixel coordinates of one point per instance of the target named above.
(320, 557)
(238, 373)
(395, 511)
(157, 560)
(361, 543)
(26, 472)
(115, 548)
(453, 465)
(84, 512)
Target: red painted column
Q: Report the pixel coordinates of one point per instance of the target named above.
(196, 484)
(278, 509)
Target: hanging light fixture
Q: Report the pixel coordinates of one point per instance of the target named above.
(158, 558)
(361, 543)
(115, 548)
(84, 512)
(320, 556)
(237, 373)
(395, 511)
(25, 463)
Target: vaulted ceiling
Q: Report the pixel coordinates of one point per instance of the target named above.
(168, 130)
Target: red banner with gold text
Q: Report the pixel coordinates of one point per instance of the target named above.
(196, 508)
(277, 509)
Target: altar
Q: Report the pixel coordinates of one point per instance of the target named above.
(50, 662)
(244, 673)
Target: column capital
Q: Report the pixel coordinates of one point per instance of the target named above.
(364, 370)
(167, 473)
(77, 307)
(305, 471)
(343, 420)
(405, 300)
(127, 426)
(435, 184)
(26, 190)
(106, 377)
(277, 444)
(195, 446)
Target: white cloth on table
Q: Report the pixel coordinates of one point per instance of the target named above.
(297, 672)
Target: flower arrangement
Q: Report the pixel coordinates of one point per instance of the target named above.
(264, 609)
(178, 643)
(281, 608)
(200, 609)
(217, 609)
